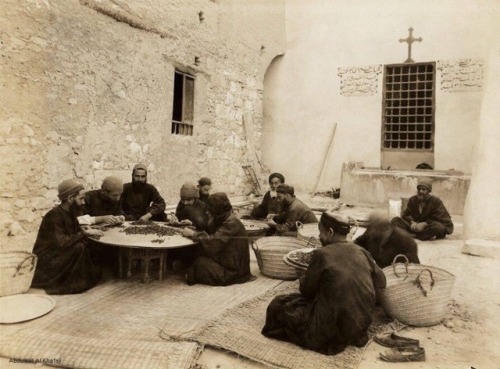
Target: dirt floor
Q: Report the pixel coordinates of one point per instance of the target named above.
(469, 336)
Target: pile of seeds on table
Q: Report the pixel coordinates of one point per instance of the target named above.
(158, 240)
(151, 228)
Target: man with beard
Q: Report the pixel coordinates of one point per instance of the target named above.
(104, 205)
(65, 265)
(270, 205)
(425, 216)
(292, 211)
(385, 241)
(141, 200)
(337, 295)
(224, 258)
(191, 210)
(204, 185)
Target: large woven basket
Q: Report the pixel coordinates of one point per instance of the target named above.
(308, 233)
(16, 272)
(270, 251)
(416, 294)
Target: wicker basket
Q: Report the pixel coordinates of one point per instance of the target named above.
(308, 233)
(270, 251)
(416, 294)
(16, 272)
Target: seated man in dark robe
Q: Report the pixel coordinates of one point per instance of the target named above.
(141, 200)
(385, 241)
(337, 295)
(104, 205)
(204, 186)
(190, 209)
(270, 205)
(425, 216)
(65, 265)
(293, 211)
(225, 255)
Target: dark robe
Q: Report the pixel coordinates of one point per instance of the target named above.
(138, 201)
(65, 265)
(287, 220)
(385, 241)
(433, 212)
(225, 255)
(196, 213)
(336, 301)
(97, 204)
(269, 205)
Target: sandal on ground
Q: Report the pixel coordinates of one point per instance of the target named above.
(403, 354)
(393, 340)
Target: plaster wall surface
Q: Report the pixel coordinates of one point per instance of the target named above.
(87, 88)
(303, 101)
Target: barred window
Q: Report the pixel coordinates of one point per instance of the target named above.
(183, 107)
(408, 107)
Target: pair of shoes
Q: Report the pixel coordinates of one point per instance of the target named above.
(394, 341)
(403, 354)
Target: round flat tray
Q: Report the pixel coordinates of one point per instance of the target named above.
(291, 258)
(20, 308)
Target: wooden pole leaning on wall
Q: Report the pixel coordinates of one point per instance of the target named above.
(325, 157)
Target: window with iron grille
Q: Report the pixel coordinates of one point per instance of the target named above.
(183, 107)
(408, 107)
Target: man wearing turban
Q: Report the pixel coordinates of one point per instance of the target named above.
(336, 298)
(204, 187)
(292, 211)
(141, 200)
(65, 265)
(225, 255)
(190, 209)
(425, 216)
(270, 205)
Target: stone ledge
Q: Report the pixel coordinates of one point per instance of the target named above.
(480, 247)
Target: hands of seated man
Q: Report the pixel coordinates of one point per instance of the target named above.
(91, 232)
(270, 222)
(186, 222)
(421, 226)
(172, 218)
(146, 217)
(187, 232)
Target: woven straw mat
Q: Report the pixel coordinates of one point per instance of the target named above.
(126, 324)
(239, 331)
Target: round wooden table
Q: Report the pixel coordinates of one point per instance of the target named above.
(144, 247)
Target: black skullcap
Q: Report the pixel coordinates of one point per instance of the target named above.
(204, 181)
(277, 175)
(285, 189)
(338, 222)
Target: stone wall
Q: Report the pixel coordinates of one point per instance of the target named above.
(87, 89)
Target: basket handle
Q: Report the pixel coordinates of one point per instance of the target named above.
(299, 224)
(418, 283)
(394, 264)
(255, 248)
(310, 242)
(20, 266)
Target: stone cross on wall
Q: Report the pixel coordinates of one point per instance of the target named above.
(410, 39)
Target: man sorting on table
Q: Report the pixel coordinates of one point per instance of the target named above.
(141, 200)
(270, 205)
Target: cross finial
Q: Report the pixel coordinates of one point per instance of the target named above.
(410, 39)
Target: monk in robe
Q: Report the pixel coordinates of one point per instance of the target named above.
(385, 241)
(190, 209)
(337, 295)
(65, 264)
(104, 205)
(225, 255)
(204, 186)
(270, 205)
(141, 200)
(293, 211)
(425, 216)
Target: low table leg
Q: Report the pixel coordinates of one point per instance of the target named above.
(120, 263)
(129, 266)
(160, 271)
(146, 267)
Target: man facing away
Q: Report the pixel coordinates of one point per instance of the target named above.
(65, 264)
(337, 295)
(425, 216)
(293, 211)
(141, 200)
